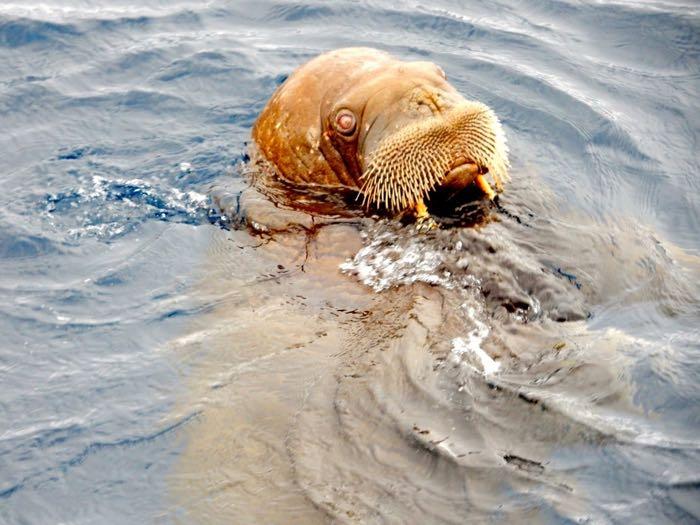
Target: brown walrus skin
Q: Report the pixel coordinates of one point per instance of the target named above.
(394, 130)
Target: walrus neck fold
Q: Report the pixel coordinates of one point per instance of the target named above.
(336, 161)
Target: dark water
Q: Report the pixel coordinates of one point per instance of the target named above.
(155, 367)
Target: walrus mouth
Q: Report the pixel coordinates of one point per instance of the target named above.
(421, 156)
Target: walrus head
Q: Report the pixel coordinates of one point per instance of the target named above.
(390, 129)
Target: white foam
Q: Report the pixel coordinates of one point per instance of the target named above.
(471, 347)
(388, 262)
(55, 12)
(107, 220)
(383, 264)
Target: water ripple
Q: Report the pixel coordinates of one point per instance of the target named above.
(119, 117)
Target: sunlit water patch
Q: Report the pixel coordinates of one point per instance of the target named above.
(109, 208)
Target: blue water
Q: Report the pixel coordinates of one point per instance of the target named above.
(118, 116)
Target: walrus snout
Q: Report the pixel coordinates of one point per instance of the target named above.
(451, 148)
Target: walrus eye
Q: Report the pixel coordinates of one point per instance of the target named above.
(345, 122)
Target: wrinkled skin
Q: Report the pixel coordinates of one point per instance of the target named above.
(299, 131)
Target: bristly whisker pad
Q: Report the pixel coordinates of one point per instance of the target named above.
(410, 163)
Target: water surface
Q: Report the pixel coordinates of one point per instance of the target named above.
(159, 365)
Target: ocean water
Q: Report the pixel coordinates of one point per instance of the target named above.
(159, 365)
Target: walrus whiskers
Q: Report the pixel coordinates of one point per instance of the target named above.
(411, 162)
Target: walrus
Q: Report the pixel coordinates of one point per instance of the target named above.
(391, 130)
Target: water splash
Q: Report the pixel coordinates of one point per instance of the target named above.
(468, 350)
(108, 208)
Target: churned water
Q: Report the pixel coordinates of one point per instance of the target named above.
(159, 366)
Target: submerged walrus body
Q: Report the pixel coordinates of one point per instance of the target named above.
(392, 130)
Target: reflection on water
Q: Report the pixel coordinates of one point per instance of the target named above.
(536, 362)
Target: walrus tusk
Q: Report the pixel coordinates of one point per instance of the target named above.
(421, 210)
(424, 222)
(484, 186)
(457, 178)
